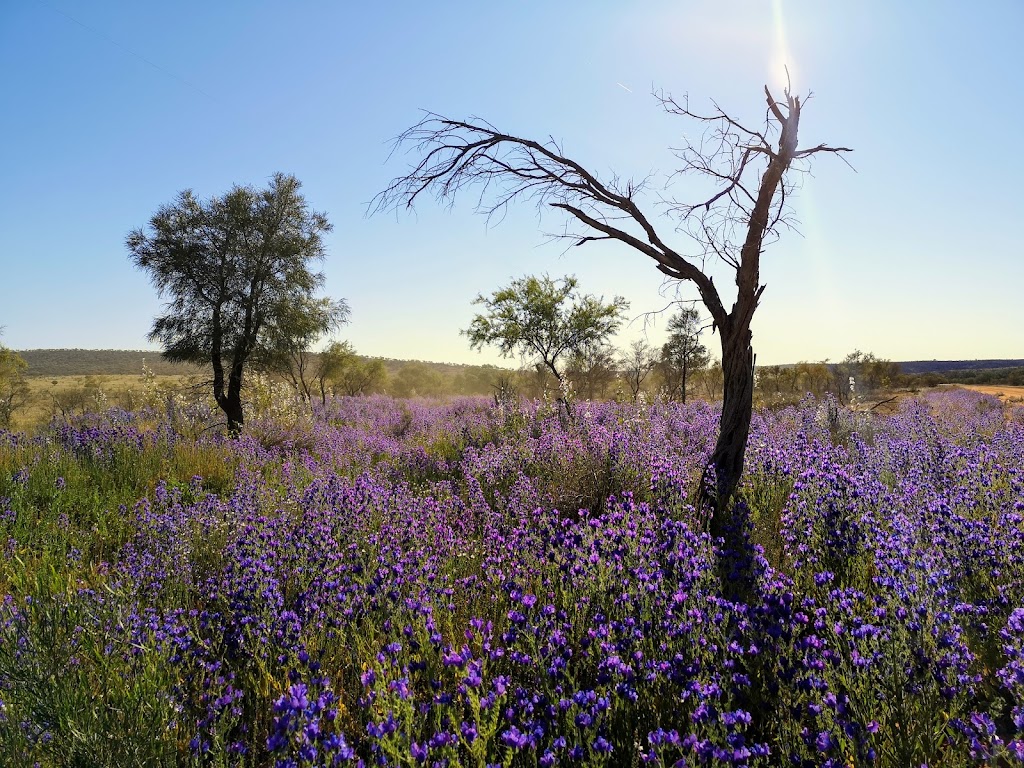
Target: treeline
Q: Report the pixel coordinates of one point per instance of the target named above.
(957, 366)
(52, 363)
(1013, 377)
(859, 374)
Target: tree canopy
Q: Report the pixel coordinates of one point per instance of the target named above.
(236, 273)
(13, 389)
(300, 326)
(682, 353)
(546, 320)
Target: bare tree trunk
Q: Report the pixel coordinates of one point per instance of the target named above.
(734, 426)
(232, 403)
(682, 386)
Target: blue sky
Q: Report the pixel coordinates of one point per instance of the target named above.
(111, 108)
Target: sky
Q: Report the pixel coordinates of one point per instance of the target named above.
(112, 108)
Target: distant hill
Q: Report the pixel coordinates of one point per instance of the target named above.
(944, 366)
(100, 362)
(468, 378)
(121, 362)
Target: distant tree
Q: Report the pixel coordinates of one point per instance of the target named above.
(331, 364)
(290, 351)
(13, 388)
(744, 210)
(867, 373)
(481, 379)
(415, 379)
(536, 381)
(683, 353)
(636, 363)
(546, 320)
(814, 378)
(592, 370)
(234, 269)
(506, 385)
(361, 376)
(711, 381)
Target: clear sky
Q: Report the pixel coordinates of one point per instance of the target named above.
(111, 108)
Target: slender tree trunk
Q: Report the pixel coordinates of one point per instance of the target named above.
(232, 405)
(561, 388)
(682, 386)
(232, 408)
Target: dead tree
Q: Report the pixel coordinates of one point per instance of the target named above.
(744, 211)
(636, 363)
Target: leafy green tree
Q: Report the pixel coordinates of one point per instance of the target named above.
(867, 372)
(417, 380)
(301, 325)
(546, 320)
(13, 388)
(350, 374)
(331, 365)
(366, 376)
(592, 370)
(683, 353)
(233, 269)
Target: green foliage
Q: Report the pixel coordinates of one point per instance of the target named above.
(300, 326)
(869, 373)
(13, 390)
(236, 272)
(51, 363)
(592, 370)
(80, 687)
(544, 319)
(683, 354)
(345, 373)
(1009, 376)
(417, 380)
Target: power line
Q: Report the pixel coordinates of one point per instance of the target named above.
(127, 50)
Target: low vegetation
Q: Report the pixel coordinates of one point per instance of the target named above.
(484, 582)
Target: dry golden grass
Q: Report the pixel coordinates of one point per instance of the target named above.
(1006, 393)
(50, 396)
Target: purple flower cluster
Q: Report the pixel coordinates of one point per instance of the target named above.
(454, 584)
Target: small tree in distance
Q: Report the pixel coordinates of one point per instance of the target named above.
(636, 363)
(290, 352)
(341, 369)
(236, 272)
(13, 389)
(546, 320)
(592, 370)
(683, 353)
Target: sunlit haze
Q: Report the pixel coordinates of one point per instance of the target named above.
(111, 109)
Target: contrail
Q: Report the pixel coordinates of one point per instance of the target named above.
(624, 87)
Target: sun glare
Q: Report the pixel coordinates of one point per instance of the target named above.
(781, 57)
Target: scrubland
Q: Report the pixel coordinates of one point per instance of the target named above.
(476, 583)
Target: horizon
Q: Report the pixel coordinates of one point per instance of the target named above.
(913, 257)
(521, 366)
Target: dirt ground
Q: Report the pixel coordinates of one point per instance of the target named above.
(1007, 393)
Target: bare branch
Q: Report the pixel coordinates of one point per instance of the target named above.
(820, 148)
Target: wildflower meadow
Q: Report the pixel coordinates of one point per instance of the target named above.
(481, 583)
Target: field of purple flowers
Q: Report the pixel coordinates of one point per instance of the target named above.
(466, 584)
